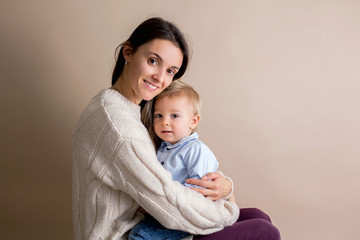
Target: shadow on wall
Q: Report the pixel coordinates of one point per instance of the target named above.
(36, 141)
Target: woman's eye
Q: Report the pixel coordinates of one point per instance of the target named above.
(171, 72)
(153, 61)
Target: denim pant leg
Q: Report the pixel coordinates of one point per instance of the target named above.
(151, 229)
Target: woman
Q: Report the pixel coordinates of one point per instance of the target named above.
(115, 170)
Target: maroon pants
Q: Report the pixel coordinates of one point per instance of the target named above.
(253, 224)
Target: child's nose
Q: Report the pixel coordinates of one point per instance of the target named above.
(165, 122)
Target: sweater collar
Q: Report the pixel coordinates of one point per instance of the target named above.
(116, 97)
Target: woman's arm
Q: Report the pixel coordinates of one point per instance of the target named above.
(215, 186)
(232, 198)
(116, 170)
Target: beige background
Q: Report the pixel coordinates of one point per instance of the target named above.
(280, 87)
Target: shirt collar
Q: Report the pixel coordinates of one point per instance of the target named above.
(169, 146)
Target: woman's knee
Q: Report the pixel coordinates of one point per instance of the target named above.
(252, 213)
(266, 230)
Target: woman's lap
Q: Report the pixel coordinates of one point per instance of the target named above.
(251, 213)
(252, 224)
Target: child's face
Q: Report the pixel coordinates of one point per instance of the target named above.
(174, 118)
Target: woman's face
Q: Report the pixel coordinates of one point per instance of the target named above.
(151, 68)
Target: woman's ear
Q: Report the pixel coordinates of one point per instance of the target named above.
(127, 50)
(194, 121)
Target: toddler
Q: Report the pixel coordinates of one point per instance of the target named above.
(171, 118)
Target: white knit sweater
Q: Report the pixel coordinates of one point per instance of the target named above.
(115, 171)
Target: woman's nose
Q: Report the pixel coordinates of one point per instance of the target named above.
(159, 76)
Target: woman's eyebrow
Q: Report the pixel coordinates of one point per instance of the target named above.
(161, 60)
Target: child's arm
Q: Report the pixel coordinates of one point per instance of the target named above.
(199, 161)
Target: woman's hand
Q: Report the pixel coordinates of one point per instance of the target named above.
(216, 186)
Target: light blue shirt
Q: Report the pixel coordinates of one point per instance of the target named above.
(188, 158)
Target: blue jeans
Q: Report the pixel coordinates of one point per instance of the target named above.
(151, 229)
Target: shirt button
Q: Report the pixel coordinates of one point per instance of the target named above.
(162, 163)
(168, 148)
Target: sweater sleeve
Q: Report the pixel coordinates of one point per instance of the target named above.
(125, 159)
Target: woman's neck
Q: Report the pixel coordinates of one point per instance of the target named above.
(124, 88)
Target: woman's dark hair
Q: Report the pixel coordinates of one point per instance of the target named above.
(153, 28)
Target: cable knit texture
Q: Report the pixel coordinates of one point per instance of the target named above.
(115, 171)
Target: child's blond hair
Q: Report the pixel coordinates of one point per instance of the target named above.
(176, 88)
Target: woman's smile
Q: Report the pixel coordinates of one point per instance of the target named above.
(151, 86)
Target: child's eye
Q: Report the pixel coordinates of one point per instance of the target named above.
(158, 115)
(174, 115)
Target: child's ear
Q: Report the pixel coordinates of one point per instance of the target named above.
(195, 121)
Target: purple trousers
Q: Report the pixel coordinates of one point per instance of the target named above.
(253, 224)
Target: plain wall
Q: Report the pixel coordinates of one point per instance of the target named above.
(279, 82)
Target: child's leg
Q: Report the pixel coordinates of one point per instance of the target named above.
(151, 229)
(252, 224)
